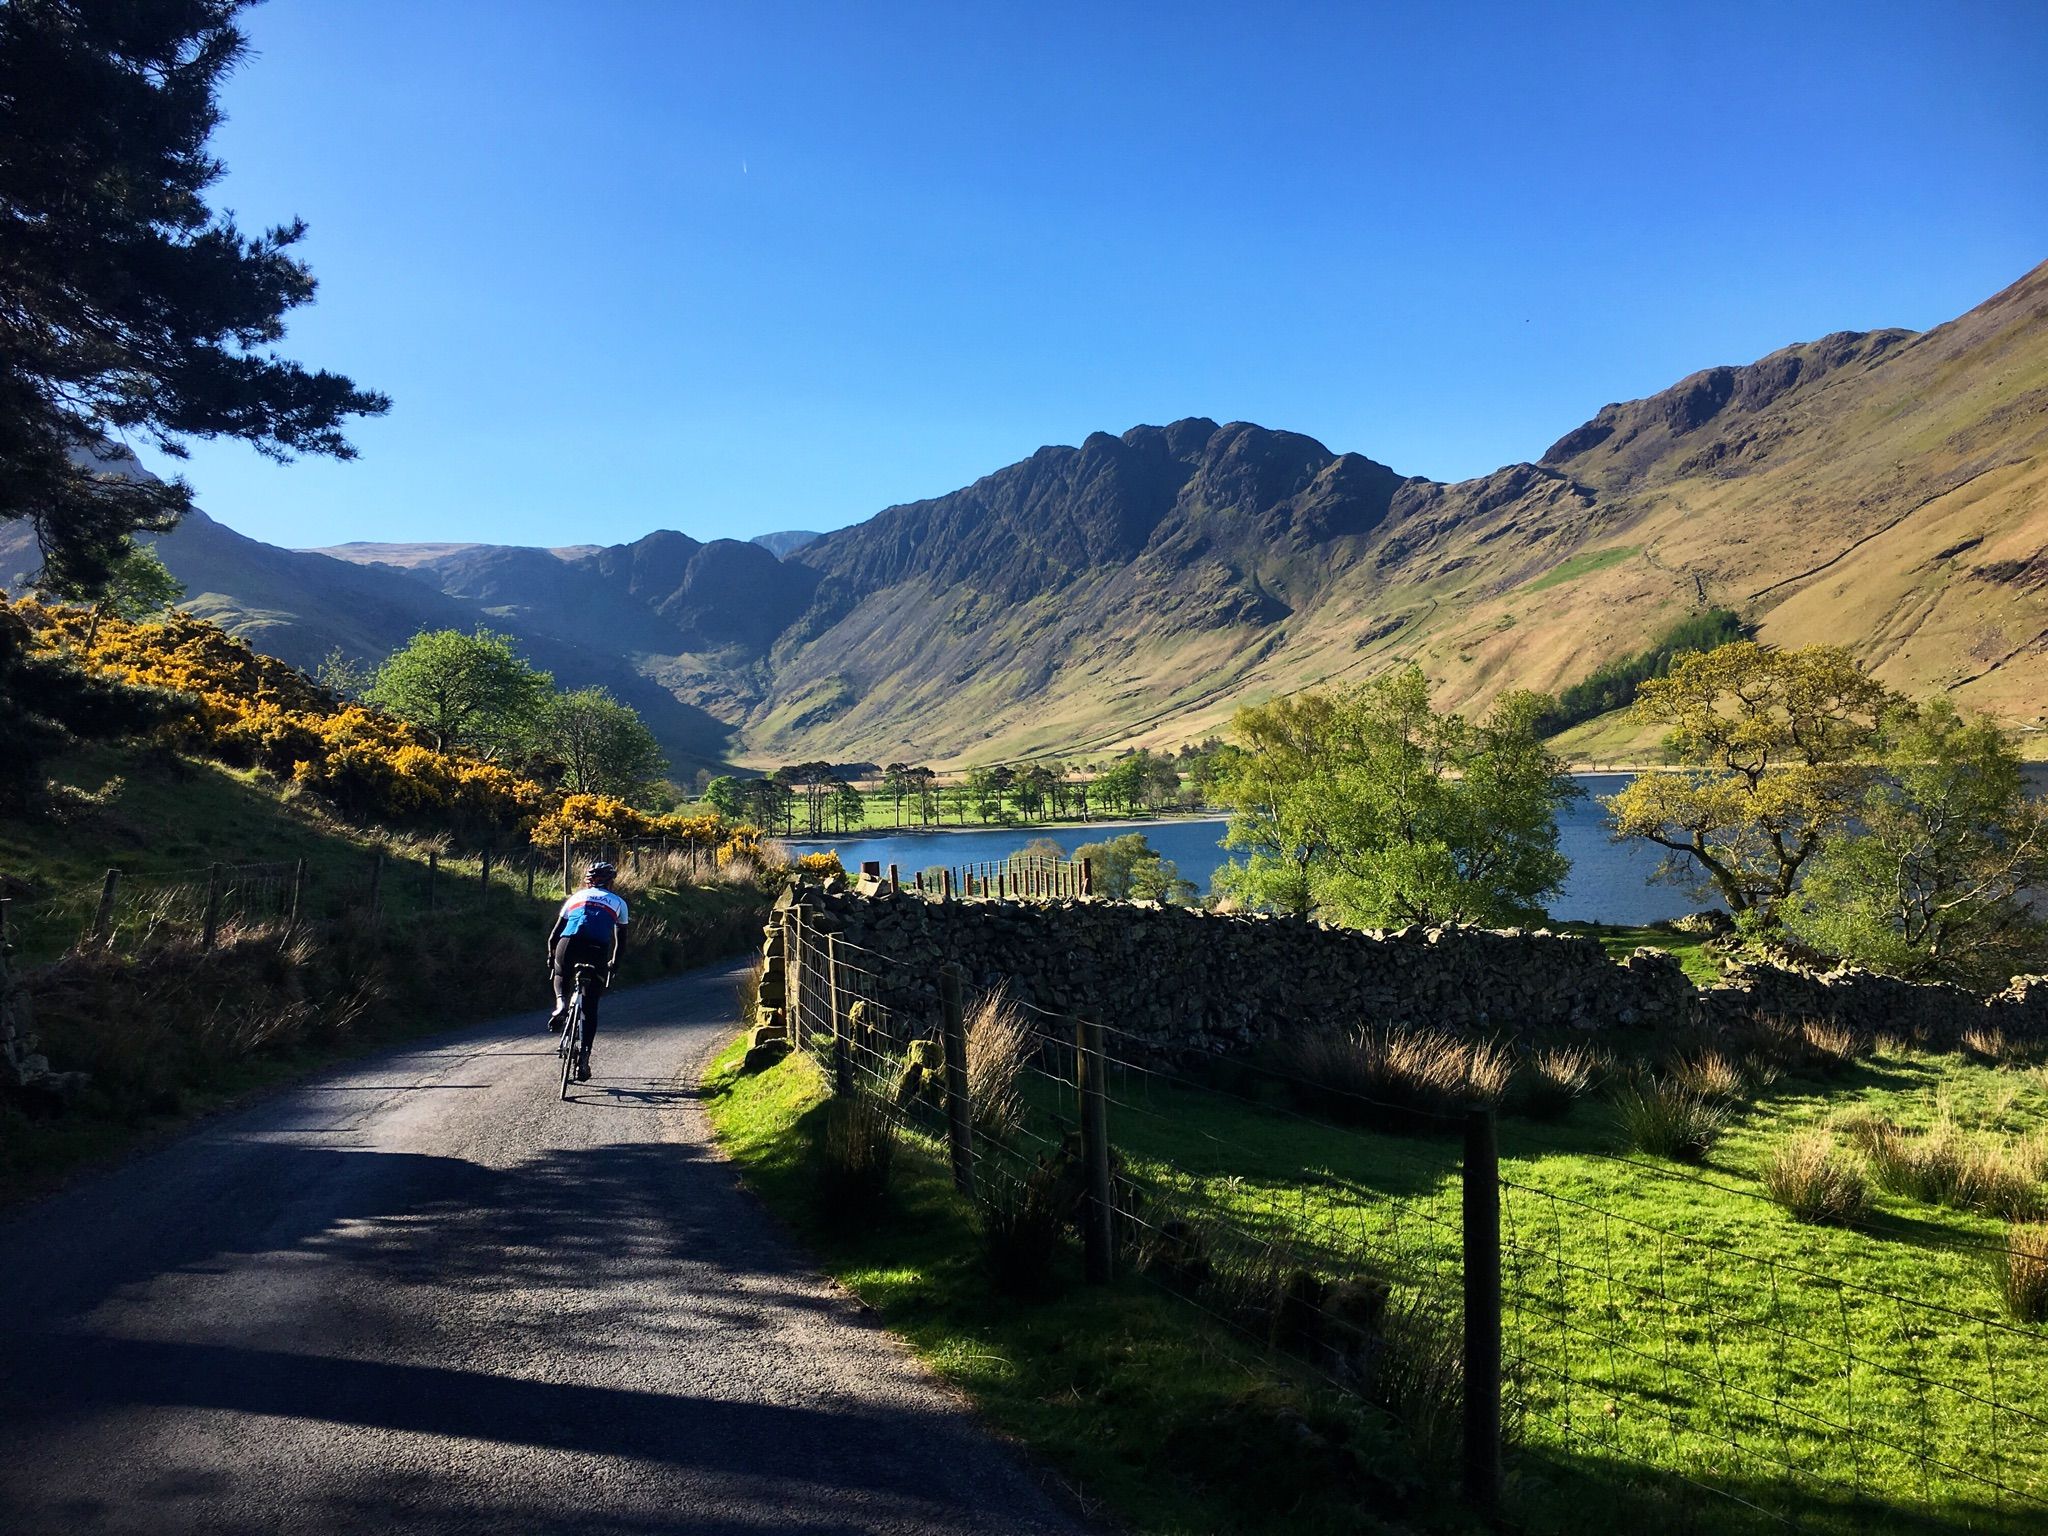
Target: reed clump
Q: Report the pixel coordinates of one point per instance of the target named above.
(1946, 1165)
(1668, 1119)
(2024, 1271)
(1394, 1079)
(1818, 1182)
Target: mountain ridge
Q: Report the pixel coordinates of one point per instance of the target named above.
(1882, 487)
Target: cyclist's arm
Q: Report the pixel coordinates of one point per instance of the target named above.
(554, 936)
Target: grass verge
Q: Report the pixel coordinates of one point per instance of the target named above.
(1147, 1413)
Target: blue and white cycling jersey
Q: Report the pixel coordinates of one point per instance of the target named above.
(592, 913)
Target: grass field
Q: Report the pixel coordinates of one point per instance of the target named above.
(1580, 565)
(1673, 1318)
(161, 819)
(1682, 1353)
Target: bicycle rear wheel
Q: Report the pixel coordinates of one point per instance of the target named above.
(572, 1042)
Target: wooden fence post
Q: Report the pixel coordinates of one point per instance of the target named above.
(103, 919)
(527, 860)
(1097, 1233)
(566, 886)
(895, 880)
(1482, 1310)
(433, 874)
(484, 884)
(376, 882)
(298, 896)
(842, 1067)
(211, 929)
(1087, 877)
(959, 1113)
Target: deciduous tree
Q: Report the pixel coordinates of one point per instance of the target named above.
(1129, 868)
(1939, 878)
(1369, 805)
(1776, 748)
(138, 586)
(603, 746)
(469, 692)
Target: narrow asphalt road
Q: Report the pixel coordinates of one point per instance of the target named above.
(422, 1295)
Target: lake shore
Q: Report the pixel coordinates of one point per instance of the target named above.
(1035, 828)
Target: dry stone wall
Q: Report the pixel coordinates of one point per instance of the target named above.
(1192, 979)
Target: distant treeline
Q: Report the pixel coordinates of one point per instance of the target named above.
(1614, 685)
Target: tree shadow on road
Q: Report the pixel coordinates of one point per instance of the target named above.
(335, 1289)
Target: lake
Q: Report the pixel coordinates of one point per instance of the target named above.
(1610, 882)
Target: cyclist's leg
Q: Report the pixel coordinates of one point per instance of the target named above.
(592, 988)
(590, 999)
(560, 974)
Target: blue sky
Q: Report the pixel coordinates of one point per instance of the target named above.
(735, 268)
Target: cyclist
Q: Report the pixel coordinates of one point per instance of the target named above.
(586, 932)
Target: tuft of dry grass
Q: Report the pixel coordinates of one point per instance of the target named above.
(2024, 1272)
(998, 1051)
(1817, 1183)
(1022, 1226)
(1398, 1079)
(1830, 1047)
(1711, 1075)
(1555, 1078)
(1994, 1045)
(854, 1153)
(1943, 1165)
(747, 994)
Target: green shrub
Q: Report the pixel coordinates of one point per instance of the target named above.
(1817, 1183)
(1668, 1119)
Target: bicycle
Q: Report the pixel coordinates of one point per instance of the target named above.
(570, 1046)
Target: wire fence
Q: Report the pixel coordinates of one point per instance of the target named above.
(1477, 1303)
(133, 911)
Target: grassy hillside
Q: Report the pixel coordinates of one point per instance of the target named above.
(1884, 490)
(168, 1031)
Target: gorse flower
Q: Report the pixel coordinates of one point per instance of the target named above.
(253, 711)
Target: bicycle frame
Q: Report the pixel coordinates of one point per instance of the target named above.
(570, 1046)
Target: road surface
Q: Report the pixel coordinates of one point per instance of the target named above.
(422, 1295)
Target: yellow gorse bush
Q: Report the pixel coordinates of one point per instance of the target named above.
(607, 819)
(255, 711)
